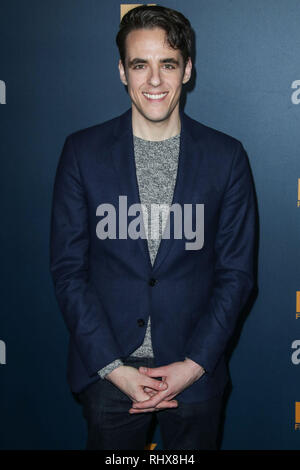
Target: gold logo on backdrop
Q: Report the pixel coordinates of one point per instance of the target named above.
(125, 7)
(150, 446)
(298, 203)
(297, 415)
(297, 304)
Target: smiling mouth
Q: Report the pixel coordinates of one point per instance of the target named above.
(155, 96)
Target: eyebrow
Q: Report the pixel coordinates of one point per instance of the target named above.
(137, 60)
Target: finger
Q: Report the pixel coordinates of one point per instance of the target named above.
(160, 406)
(167, 404)
(153, 371)
(152, 402)
(142, 396)
(147, 410)
(149, 390)
(155, 384)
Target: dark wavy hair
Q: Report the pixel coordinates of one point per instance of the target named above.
(178, 28)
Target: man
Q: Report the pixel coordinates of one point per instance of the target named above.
(149, 319)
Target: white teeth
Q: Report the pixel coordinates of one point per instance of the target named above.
(155, 97)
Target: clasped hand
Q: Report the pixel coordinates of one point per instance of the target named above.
(149, 394)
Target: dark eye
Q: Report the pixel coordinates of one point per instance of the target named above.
(169, 66)
(138, 66)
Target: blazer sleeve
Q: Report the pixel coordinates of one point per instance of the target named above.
(79, 303)
(234, 260)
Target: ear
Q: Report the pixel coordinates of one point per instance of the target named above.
(187, 71)
(122, 73)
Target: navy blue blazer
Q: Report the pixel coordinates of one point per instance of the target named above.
(104, 288)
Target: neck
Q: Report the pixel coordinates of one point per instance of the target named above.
(151, 130)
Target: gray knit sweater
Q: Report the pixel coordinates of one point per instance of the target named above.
(156, 168)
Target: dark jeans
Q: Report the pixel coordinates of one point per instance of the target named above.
(110, 427)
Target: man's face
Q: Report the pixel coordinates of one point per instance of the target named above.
(154, 73)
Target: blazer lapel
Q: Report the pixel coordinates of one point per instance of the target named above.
(187, 177)
(122, 154)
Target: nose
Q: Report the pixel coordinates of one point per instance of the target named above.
(154, 76)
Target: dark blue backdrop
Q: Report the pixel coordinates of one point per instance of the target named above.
(59, 63)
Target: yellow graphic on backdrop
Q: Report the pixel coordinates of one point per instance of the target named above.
(297, 304)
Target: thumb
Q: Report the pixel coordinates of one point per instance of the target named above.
(143, 395)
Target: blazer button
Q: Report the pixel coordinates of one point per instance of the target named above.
(152, 282)
(140, 322)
